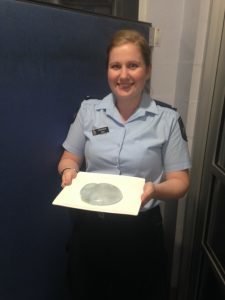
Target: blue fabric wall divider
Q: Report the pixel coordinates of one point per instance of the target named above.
(50, 59)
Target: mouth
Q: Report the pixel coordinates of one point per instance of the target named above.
(125, 86)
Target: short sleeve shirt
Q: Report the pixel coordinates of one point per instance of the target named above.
(149, 144)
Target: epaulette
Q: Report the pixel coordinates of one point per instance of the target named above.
(180, 122)
(85, 98)
(90, 97)
(163, 104)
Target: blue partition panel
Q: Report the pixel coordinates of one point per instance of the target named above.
(50, 59)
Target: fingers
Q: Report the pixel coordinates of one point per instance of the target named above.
(68, 177)
(148, 192)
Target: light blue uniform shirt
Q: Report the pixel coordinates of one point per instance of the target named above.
(147, 145)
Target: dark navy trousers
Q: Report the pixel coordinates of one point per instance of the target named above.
(113, 256)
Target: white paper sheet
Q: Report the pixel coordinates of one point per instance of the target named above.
(126, 189)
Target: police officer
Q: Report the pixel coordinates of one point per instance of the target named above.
(115, 256)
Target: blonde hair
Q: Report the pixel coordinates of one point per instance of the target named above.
(125, 36)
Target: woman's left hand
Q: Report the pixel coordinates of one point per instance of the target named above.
(174, 186)
(148, 192)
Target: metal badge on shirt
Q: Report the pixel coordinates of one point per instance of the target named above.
(98, 131)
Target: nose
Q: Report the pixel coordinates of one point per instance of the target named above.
(124, 72)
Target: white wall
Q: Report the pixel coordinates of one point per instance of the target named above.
(176, 74)
(177, 61)
(201, 36)
(165, 57)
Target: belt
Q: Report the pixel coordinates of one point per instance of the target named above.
(150, 211)
(101, 215)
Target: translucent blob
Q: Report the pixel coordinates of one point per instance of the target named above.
(100, 194)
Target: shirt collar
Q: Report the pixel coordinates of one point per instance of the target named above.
(107, 103)
(147, 105)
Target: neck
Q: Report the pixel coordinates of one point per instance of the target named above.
(127, 108)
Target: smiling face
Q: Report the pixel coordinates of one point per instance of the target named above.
(127, 72)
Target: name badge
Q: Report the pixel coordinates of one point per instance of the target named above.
(102, 130)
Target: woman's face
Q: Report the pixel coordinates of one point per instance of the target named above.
(127, 72)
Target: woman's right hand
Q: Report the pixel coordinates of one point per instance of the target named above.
(67, 177)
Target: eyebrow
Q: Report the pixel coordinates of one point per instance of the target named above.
(127, 62)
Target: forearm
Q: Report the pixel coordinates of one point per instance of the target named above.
(69, 160)
(170, 189)
(68, 167)
(174, 186)
(68, 163)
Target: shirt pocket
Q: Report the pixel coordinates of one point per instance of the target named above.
(105, 144)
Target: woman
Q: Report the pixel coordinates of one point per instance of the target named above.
(126, 133)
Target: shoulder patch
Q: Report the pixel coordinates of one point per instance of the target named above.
(163, 104)
(182, 129)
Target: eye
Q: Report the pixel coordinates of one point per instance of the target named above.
(133, 66)
(115, 66)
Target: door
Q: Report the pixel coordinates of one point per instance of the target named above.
(212, 267)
